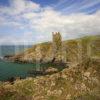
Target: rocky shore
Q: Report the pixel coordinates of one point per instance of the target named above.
(79, 82)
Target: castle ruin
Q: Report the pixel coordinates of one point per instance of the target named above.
(57, 45)
(57, 40)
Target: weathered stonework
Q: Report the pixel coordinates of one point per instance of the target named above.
(57, 46)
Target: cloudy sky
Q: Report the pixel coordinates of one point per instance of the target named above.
(33, 21)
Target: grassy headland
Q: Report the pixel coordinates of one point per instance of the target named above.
(80, 81)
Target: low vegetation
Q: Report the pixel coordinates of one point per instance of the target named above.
(74, 83)
(80, 81)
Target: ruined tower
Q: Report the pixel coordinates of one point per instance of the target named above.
(57, 40)
(57, 45)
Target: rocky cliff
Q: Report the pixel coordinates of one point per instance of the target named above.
(70, 51)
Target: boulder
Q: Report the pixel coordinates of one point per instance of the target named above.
(51, 70)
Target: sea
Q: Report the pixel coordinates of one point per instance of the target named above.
(11, 69)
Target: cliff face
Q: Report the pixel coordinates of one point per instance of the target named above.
(38, 53)
(71, 51)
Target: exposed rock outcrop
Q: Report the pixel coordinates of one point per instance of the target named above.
(71, 51)
(51, 70)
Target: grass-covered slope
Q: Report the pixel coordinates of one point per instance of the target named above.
(40, 51)
(71, 51)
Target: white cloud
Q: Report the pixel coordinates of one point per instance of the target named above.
(44, 20)
(74, 24)
(29, 15)
(19, 6)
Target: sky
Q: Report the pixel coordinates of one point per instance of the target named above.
(33, 21)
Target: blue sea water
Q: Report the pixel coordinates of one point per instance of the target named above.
(12, 49)
(9, 69)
